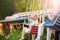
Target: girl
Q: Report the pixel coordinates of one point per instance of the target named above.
(34, 28)
(34, 22)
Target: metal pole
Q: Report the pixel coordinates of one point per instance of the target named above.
(26, 5)
(39, 2)
(44, 8)
(26, 11)
(31, 5)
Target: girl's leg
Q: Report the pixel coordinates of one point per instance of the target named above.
(40, 31)
(48, 34)
(33, 36)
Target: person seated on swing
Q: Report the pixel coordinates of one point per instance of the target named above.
(50, 21)
(33, 26)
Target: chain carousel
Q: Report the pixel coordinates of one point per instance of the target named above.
(25, 16)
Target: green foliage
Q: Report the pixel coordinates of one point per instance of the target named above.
(21, 5)
(44, 34)
(5, 9)
(27, 37)
(9, 7)
(5, 30)
(15, 35)
(2, 37)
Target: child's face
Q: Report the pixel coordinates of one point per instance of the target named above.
(52, 15)
(33, 16)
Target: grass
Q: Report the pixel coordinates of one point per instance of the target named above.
(16, 35)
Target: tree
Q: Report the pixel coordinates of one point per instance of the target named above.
(6, 8)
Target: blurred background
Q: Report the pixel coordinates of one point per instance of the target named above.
(10, 7)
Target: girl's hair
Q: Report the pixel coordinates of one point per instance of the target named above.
(38, 18)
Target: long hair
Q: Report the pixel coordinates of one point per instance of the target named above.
(38, 18)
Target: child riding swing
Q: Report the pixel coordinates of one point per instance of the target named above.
(33, 26)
